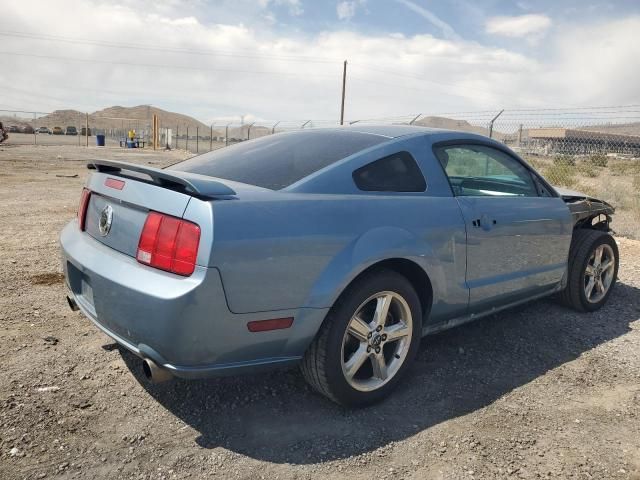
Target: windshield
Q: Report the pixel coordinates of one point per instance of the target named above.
(277, 161)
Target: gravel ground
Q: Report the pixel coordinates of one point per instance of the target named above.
(536, 392)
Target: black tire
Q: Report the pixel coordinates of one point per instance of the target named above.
(583, 244)
(322, 363)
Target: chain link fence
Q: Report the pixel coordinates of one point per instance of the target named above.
(592, 150)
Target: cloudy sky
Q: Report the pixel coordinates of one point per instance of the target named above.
(282, 59)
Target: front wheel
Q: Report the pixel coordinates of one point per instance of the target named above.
(592, 272)
(367, 340)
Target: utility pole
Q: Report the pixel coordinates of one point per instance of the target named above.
(344, 85)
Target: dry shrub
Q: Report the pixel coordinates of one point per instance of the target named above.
(598, 160)
(621, 168)
(588, 170)
(561, 175)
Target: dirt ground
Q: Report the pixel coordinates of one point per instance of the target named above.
(536, 392)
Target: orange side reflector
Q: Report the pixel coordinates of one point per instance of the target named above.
(271, 324)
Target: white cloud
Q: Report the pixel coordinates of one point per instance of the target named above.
(346, 10)
(220, 70)
(518, 26)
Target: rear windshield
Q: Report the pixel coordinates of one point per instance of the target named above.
(277, 161)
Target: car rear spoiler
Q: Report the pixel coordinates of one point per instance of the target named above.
(189, 183)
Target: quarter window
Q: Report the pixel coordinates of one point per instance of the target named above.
(478, 170)
(396, 173)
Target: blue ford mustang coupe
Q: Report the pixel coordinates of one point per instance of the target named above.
(335, 249)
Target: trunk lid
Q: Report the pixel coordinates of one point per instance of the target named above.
(122, 195)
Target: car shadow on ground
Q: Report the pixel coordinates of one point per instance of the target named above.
(277, 418)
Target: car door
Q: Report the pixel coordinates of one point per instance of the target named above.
(518, 230)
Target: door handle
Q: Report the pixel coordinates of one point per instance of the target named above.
(484, 222)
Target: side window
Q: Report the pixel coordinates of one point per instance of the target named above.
(478, 170)
(396, 173)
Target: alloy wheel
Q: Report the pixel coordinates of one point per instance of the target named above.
(598, 274)
(376, 341)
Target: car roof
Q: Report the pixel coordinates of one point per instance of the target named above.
(391, 131)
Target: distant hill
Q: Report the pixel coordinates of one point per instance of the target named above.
(620, 128)
(125, 118)
(450, 124)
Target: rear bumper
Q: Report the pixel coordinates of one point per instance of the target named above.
(182, 324)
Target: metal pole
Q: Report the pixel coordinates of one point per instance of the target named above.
(177, 136)
(226, 135)
(302, 126)
(249, 130)
(344, 85)
(197, 139)
(415, 118)
(211, 138)
(186, 144)
(273, 129)
(491, 123)
(86, 131)
(520, 135)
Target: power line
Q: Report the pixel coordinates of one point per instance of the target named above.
(166, 49)
(421, 79)
(162, 66)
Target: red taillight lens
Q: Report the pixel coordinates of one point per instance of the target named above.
(82, 208)
(169, 243)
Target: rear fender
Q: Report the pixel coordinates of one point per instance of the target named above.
(365, 251)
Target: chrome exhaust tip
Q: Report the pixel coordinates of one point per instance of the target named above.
(154, 373)
(72, 304)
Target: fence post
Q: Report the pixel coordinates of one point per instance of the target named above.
(186, 145)
(491, 123)
(249, 130)
(520, 135)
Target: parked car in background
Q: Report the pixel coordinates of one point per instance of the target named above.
(3, 133)
(43, 131)
(58, 131)
(71, 131)
(84, 131)
(14, 129)
(335, 249)
(26, 129)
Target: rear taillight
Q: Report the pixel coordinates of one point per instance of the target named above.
(169, 243)
(82, 208)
